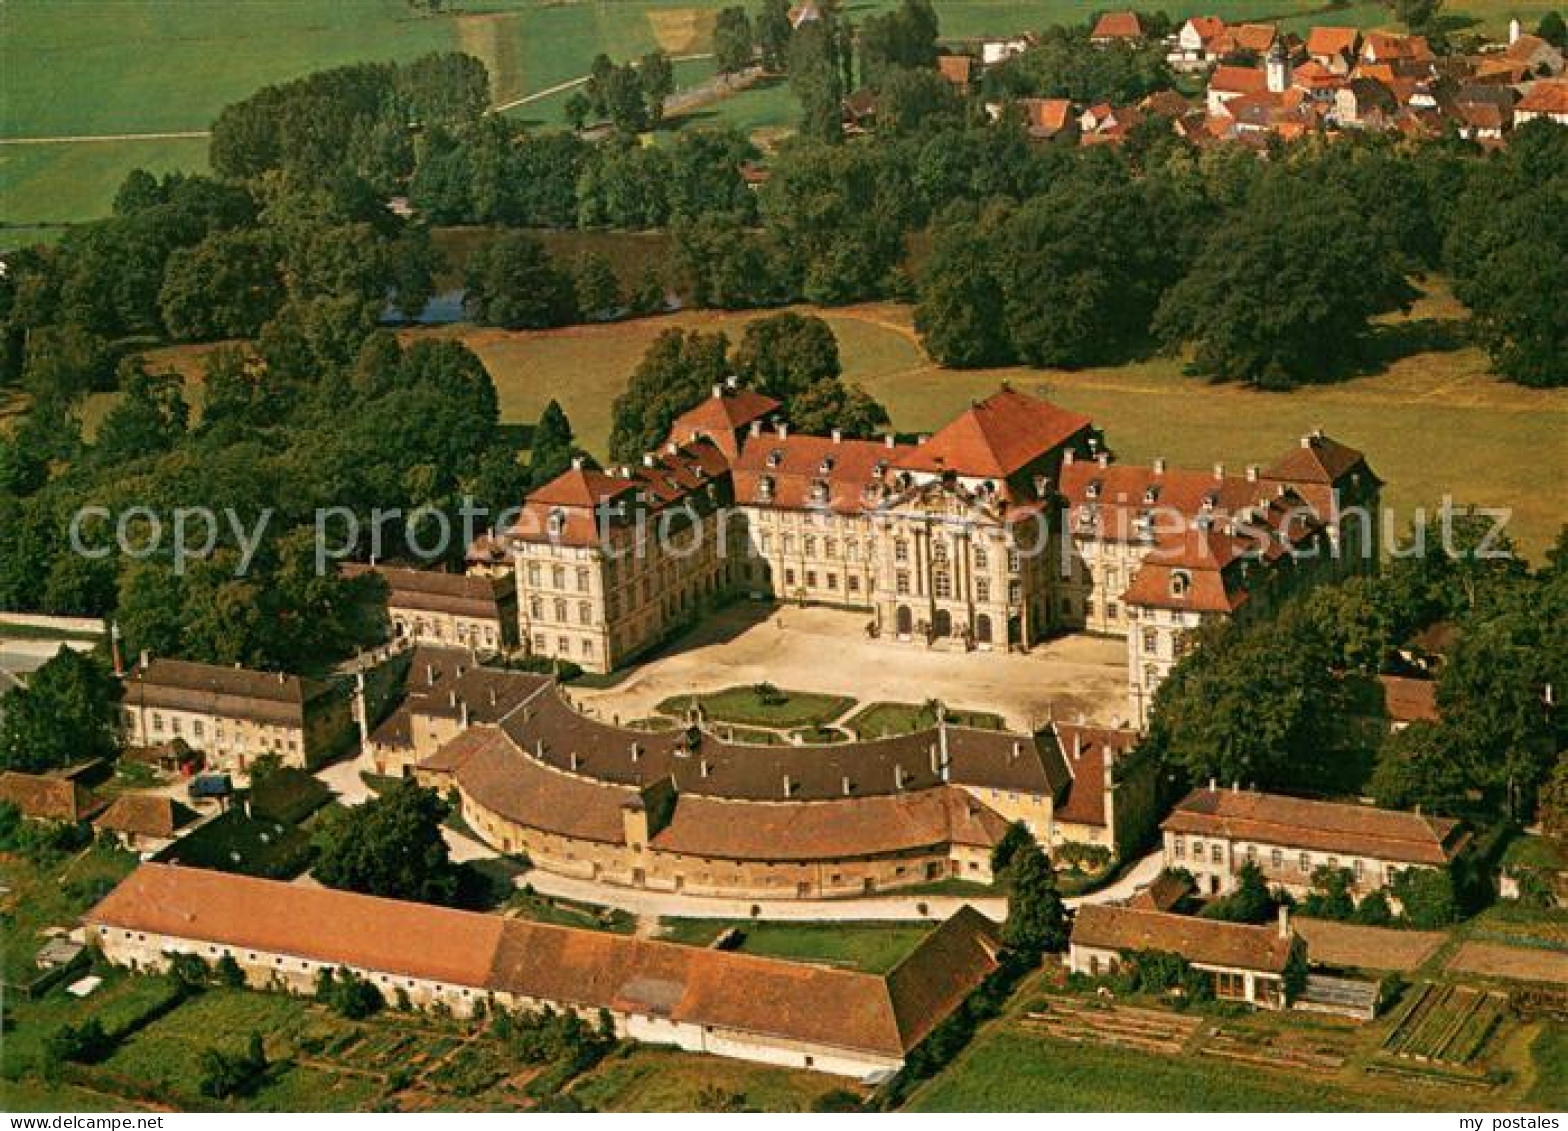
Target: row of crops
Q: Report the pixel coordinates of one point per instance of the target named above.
(1446, 1024)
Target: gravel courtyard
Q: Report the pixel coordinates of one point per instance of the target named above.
(827, 650)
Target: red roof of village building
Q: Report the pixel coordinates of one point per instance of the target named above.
(721, 416)
(1256, 38)
(1046, 116)
(1323, 41)
(956, 69)
(1117, 25)
(1239, 80)
(1546, 98)
(1207, 27)
(1211, 942)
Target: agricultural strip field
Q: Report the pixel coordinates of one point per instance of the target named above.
(1367, 948)
(1527, 964)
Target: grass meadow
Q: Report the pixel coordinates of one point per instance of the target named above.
(1433, 419)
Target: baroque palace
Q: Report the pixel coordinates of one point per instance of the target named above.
(1011, 524)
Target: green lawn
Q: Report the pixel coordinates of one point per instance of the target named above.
(873, 947)
(1010, 1070)
(880, 719)
(645, 1079)
(743, 705)
(51, 894)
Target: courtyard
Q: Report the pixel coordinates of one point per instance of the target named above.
(827, 651)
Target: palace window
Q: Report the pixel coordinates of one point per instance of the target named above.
(1015, 592)
(558, 577)
(582, 579)
(536, 608)
(900, 549)
(901, 583)
(560, 610)
(982, 589)
(1151, 641)
(981, 561)
(833, 581)
(1013, 561)
(1277, 859)
(1304, 862)
(852, 583)
(533, 573)
(584, 612)
(811, 579)
(942, 583)
(1179, 848)
(810, 546)
(1181, 581)
(829, 547)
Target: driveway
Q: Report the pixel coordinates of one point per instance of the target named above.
(827, 650)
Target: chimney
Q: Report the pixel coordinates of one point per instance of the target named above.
(1284, 921)
(838, 435)
(1103, 459)
(1016, 751)
(1306, 441)
(936, 760)
(492, 697)
(1213, 785)
(732, 381)
(756, 427)
(898, 776)
(1513, 31)
(1077, 744)
(889, 441)
(577, 463)
(647, 459)
(1159, 465)
(783, 430)
(463, 714)
(539, 748)
(451, 698)
(430, 675)
(703, 767)
(1219, 471)
(576, 761)
(1069, 456)
(718, 390)
(282, 677)
(789, 786)
(1235, 787)
(459, 671)
(636, 752)
(846, 785)
(1252, 472)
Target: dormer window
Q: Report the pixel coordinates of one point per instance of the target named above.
(765, 487)
(826, 467)
(1210, 498)
(1093, 490)
(776, 457)
(556, 522)
(1181, 581)
(1150, 494)
(880, 469)
(819, 490)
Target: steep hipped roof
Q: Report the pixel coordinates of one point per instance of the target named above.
(232, 692)
(997, 437)
(794, 471)
(722, 416)
(145, 814)
(591, 969)
(1209, 942)
(47, 797)
(1086, 751)
(1321, 826)
(1317, 459)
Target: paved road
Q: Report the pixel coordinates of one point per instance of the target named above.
(898, 908)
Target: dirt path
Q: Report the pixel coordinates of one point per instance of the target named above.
(72, 139)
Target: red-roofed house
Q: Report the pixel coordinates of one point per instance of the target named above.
(1117, 27)
(1232, 82)
(1545, 100)
(1195, 43)
(1334, 48)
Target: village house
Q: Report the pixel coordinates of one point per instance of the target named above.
(1117, 27)
(1536, 54)
(144, 822)
(49, 797)
(234, 715)
(1335, 49)
(1545, 100)
(1196, 41)
(475, 610)
(1212, 832)
(1246, 963)
(699, 999)
(959, 70)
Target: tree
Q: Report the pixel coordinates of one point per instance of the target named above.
(1330, 896)
(150, 418)
(1374, 911)
(1250, 902)
(1553, 804)
(1255, 309)
(347, 993)
(773, 33)
(87, 1043)
(1416, 15)
(552, 446)
(732, 43)
(784, 354)
(657, 76)
(227, 286)
(67, 713)
(1507, 274)
(1014, 840)
(577, 109)
(597, 288)
(914, 101)
(677, 371)
(815, 80)
(903, 38)
(831, 404)
(66, 362)
(515, 284)
(1428, 897)
(390, 846)
(1036, 916)
(959, 315)
(225, 1074)
(1554, 30)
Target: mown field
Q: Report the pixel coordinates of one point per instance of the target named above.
(1433, 419)
(105, 68)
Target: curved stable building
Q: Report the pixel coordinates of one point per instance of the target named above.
(692, 811)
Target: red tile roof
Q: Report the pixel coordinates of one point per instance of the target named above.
(997, 437)
(47, 797)
(1409, 700)
(1546, 98)
(1046, 116)
(956, 69)
(1239, 80)
(769, 997)
(1117, 25)
(1086, 750)
(144, 814)
(1256, 38)
(1206, 27)
(1209, 942)
(1321, 826)
(1325, 41)
(722, 416)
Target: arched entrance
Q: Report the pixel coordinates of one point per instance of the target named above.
(983, 628)
(941, 624)
(904, 621)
